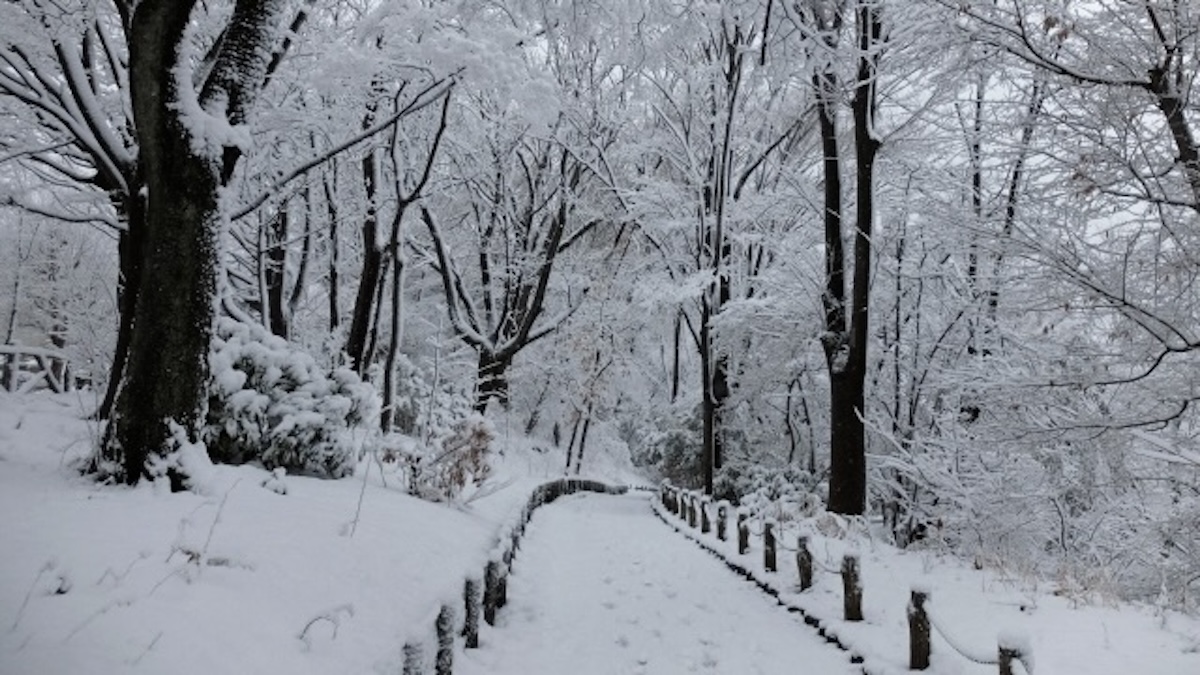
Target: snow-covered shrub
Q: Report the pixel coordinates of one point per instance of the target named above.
(184, 466)
(426, 408)
(273, 404)
(675, 449)
(444, 471)
(464, 457)
(783, 492)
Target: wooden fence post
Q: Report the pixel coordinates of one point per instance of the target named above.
(491, 591)
(692, 510)
(413, 659)
(769, 545)
(743, 532)
(722, 518)
(8, 376)
(705, 524)
(1012, 647)
(851, 588)
(804, 562)
(502, 588)
(444, 664)
(918, 630)
(1006, 657)
(471, 602)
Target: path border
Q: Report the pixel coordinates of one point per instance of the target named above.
(809, 619)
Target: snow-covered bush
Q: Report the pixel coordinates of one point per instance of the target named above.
(273, 404)
(464, 456)
(426, 406)
(674, 449)
(782, 492)
(444, 471)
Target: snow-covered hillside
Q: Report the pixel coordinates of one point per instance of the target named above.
(252, 574)
(235, 579)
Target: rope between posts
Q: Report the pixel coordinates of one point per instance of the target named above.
(779, 542)
(825, 568)
(975, 658)
(783, 530)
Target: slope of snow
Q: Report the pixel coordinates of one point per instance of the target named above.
(241, 580)
(601, 587)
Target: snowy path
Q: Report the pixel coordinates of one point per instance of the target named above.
(602, 587)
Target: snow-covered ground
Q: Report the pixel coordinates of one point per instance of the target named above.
(238, 578)
(601, 587)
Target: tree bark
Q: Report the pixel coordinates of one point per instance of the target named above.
(848, 463)
(360, 320)
(129, 264)
(331, 210)
(166, 377)
(397, 319)
(167, 367)
(274, 274)
(846, 333)
(493, 379)
(844, 442)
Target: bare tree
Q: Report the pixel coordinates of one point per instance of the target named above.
(524, 214)
(846, 337)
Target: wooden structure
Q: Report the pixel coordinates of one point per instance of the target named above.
(23, 369)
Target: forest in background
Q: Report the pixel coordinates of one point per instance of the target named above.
(767, 246)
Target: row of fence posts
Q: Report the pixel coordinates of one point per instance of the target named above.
(484, 596)
(693, 508)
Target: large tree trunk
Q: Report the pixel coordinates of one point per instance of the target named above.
(166, 378)
(167, 369)
(492, 379)
(846, 334)
(848, 463)
(847, 460)
(844, 442)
